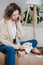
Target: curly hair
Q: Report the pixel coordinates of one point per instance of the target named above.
(10, 9)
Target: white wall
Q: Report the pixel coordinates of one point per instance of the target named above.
(4, 3)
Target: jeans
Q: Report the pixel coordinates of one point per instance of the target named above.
(10, 54)
(33, 41)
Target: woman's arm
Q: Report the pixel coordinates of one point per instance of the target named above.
(4, 39)
(7, 42)
(20, 30)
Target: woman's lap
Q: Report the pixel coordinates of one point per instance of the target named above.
(5, 48)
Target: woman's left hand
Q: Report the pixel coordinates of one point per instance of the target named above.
(20, 53)
(21, 47)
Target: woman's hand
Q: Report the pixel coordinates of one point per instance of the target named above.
(21, 47)
(20, 53)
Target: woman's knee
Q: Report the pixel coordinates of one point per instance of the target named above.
(11, 50)
(34, 43)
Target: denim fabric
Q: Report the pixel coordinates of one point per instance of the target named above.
(33, 41)
(10, 54)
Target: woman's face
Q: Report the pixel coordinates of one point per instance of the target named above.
(15, 16)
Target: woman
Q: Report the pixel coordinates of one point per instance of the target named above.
(8, 33)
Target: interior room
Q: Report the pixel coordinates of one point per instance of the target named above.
(32, 23)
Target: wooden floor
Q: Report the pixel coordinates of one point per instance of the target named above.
(31, 59)
(28, 59)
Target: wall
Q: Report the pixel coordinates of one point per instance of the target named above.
(4, 3)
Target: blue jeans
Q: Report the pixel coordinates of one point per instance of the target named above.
(33, 41)
(10, 54)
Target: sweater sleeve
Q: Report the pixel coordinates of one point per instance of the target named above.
(4, 39)
(20, 30)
